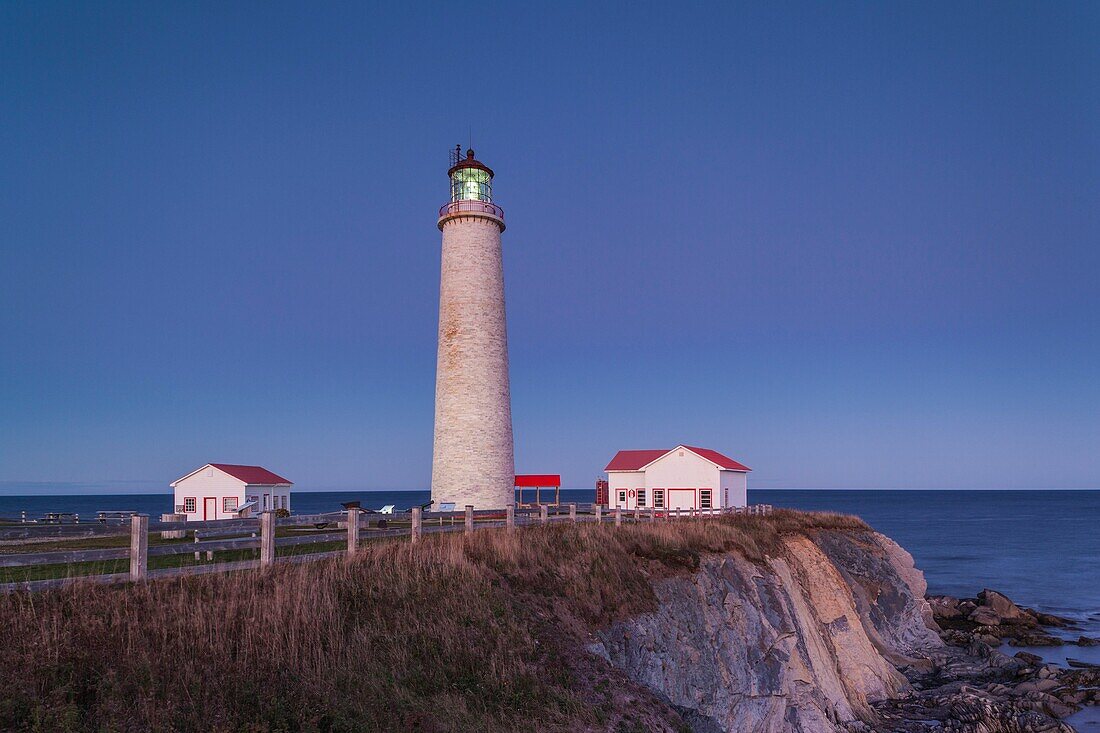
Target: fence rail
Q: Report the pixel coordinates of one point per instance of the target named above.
(349, 529)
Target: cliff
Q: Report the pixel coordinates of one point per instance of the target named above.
(803, 641)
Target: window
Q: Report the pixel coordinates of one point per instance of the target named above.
(282, 502)
(229, 504)
(622, 497)
(659, 498)
(471, 184)
(641, 497)
(704, 498)
(189, 504)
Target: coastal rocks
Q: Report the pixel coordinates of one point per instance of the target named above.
(1026, 694)
(993, 616)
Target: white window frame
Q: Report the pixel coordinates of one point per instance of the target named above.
(658, 498)
(225, 504)
(706, 499)
(641, 497)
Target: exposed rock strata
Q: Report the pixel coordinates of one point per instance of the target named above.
(834, 634)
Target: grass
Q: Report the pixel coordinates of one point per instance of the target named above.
(481, 632)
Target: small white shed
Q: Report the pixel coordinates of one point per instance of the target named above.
(681, 478)
(228, 491)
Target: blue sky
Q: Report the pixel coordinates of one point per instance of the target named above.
(850, 245)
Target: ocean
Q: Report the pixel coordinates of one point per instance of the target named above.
(1041, 548)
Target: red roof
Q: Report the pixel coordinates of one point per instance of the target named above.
(251, 474)
(636, 460)
(538, 480)
(632, 460)
(715, 457)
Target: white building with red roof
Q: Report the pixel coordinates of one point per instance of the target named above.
(229, 491)
(684, 477)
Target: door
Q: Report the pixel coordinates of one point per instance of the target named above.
(210, 508)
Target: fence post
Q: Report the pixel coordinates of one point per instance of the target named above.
(267, 538)
(469, 518)
(573, 513)
(139, 546)
(414, 533)
(598, 510)
(544, 515)
(510, 517)
(618, 516)
(652, 514)
(353, 530)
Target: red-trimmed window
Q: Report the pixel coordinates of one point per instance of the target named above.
(704, 498)
(190, 504)
(229, 503)
(641, 497)
(658, 498)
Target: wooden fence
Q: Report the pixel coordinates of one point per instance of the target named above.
(260, 536)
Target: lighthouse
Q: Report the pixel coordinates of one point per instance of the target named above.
(472, 460)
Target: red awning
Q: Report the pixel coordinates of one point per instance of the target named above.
(538, 480)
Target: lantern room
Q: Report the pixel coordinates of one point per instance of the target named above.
(471, 180)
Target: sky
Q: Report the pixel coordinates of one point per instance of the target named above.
(850, 245)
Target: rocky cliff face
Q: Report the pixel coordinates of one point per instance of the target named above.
(805, 641)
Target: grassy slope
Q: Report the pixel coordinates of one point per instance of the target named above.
(457, 633)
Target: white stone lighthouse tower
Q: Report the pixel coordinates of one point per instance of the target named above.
(472, 462)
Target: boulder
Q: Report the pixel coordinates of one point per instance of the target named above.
(985, 616)
(1086, 641)
(1049, 619)
(944, 607)
(1078, 664)
(1035, 638)
(1005, 609)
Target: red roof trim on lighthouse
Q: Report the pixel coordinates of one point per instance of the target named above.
(636, 460)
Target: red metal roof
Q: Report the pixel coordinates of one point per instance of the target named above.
(538, 480)
(715, 457)
(251, 474)
(635, 460)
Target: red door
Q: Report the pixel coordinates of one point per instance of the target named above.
(210, 508)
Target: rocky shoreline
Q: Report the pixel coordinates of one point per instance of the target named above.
(970, 685)
(834, 632)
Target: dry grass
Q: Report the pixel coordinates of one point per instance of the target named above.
(456, 633)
